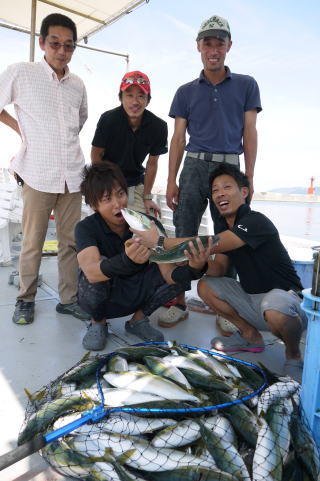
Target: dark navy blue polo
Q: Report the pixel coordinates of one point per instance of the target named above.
(215, 113)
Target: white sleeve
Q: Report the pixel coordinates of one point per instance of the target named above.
(7, 86)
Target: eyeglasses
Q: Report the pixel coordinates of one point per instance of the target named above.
(68, 47)
(136, 80)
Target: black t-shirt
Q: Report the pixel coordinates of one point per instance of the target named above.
(263, 263)
(127, 148)
(93, 231)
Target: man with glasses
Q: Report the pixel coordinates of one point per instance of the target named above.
(127, 134)
(219, 111)
(51, 108)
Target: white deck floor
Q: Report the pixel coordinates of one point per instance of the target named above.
(33, 355)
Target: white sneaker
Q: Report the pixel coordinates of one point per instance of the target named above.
(225, 326)
(172, 317)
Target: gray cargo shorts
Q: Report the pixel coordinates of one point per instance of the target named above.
(251, 307)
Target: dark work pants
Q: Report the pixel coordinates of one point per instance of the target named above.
(121, 296)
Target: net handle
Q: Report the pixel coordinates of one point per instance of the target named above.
(22, 452)
(40, 440)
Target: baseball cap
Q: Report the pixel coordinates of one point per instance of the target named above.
(215, 26)
(137, 78)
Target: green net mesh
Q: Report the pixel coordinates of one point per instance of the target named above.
(173, 413)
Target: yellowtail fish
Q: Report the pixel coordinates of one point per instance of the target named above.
(149, 383)
(139, 221)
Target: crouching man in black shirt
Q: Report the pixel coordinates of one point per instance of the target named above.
(266, 297)
(116, 278)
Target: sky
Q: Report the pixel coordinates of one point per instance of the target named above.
(276, 42)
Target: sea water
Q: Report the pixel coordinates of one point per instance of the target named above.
(296, 219)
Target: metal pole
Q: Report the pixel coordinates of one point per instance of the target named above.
(33, 29)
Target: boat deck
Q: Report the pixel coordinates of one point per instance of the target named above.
(34, 355)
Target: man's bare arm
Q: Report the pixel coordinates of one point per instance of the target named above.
(96, 154)
(177, 145)
(218, 266)
(149, 238)
(10, 121)
(149, 178)
(89, 260)
(250, 146)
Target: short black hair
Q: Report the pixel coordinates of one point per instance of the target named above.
(232, 170)
(57, 20)
(100, 178)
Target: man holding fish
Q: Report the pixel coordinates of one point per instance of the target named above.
(116, 278)
(267, 295)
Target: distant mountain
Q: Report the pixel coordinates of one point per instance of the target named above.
(295, 190)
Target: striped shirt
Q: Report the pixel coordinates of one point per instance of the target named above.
(50, 113)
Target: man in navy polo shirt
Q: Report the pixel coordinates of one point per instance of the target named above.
(219, 111)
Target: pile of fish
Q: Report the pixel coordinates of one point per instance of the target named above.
(165, 421)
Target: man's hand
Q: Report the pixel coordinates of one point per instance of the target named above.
(152, 208)
(199, 257)
(137, 253)
(147, 238)
(172, 196)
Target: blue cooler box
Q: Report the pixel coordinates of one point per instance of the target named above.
(304, 270)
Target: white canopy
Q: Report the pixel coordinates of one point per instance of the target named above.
(89, 15)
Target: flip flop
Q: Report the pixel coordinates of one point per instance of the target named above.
(235, 343)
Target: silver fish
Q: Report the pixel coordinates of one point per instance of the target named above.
(117, 363)
(305, 447)
(163, 459)
(274, 392)
(125, 397)
(161, 367)
(225, 454)
(267, 463)
(278, 418)
(66, 460)
(149, 383)
(141, 222)
(129, 424)
(182, 361)
(187, 431)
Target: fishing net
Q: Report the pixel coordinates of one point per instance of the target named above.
(161, 411)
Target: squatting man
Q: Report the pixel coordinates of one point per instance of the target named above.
(116, 278)
(267, 295)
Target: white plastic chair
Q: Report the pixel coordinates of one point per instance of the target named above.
(10, 215)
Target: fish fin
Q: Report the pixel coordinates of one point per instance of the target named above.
(29, 395)
(124, 457)
(40, 395)
(271, 377)
(109, 455)
(34, 397)
(85, 357)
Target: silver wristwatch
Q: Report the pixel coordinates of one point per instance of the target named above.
(159, 247)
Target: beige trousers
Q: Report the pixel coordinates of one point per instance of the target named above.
(37, 208)
(135, 198)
